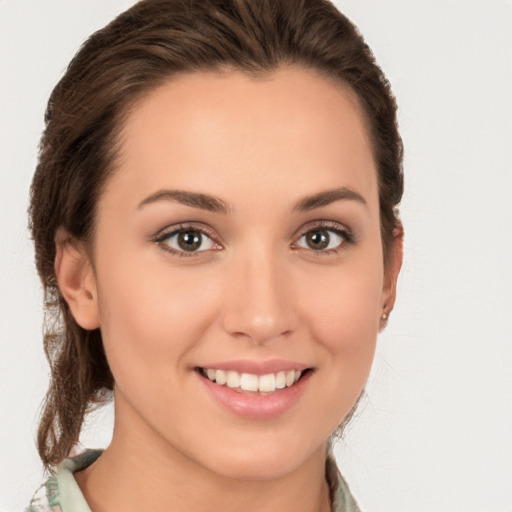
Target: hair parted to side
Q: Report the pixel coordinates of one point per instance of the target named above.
(115, 67)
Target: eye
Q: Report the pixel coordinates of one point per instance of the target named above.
(187, 240)
(324, 239)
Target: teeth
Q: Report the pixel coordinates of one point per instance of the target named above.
(233, 379)
(267, 382)
(220, 377)
(249, 382)
(280, 380)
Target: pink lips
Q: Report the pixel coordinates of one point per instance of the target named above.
(257, 406)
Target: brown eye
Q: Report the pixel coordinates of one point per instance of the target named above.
(317, 240)
(322, 239)
(187, 240)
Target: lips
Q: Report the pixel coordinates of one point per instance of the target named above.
(255, 389)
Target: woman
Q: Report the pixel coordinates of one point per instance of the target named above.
(215, 220)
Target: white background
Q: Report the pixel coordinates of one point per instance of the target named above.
(436, 432)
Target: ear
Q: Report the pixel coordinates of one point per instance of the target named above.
(391, 273)
(76, 280)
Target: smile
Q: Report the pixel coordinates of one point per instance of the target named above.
(255, 389)
(250, 383)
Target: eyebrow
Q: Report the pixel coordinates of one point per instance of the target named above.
(217, 205)
(194, 199)
(327, 197)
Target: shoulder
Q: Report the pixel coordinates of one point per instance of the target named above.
(60, 493)
(342, 498)
(40, 501)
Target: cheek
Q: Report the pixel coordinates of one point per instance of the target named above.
(343, 318)
(343, 315)
(344, 311)
(150, 320)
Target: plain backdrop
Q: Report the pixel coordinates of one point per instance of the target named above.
(435, 433)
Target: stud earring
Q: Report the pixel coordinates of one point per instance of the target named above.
(384, 317)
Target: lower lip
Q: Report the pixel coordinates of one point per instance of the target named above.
(257, 406)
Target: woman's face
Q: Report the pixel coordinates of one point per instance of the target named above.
(239, 239)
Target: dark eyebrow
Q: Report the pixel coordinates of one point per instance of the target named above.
(217, 205)
(327, 197)
(194, 199)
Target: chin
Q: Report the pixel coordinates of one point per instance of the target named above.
(268, 468)
(262, 460)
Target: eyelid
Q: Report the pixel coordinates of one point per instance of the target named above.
(328, 224)
(182, 226)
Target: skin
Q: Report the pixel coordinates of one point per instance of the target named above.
(257, 292)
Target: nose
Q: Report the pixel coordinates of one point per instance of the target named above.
(259, 301)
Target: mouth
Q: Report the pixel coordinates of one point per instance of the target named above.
(252, 384)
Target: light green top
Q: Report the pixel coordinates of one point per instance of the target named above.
(61, 493)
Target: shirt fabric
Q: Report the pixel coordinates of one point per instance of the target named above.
(60, 493)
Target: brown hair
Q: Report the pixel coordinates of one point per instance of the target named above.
(135, 53)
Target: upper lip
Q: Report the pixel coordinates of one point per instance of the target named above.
(256, 367)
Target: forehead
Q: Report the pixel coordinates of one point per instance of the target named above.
(210, 130)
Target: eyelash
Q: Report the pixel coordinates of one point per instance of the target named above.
(329, 226)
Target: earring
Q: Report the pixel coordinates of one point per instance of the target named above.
(384, 317)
